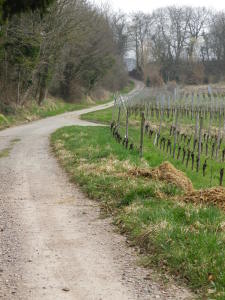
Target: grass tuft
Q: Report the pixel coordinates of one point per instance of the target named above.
(5, 152)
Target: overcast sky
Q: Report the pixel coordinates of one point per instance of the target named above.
(149, 5)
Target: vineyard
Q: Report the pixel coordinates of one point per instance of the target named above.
(186, 128)
(159, 170)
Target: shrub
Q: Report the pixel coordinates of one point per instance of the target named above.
(3, 120)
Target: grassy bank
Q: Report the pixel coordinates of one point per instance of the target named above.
(179, 238)
(50, 107)
(32, 111)
(102, 116)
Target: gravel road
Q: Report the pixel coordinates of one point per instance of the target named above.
(53, 243)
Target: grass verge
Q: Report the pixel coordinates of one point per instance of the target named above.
(6, 151)
(104, 116)
(179, 238)
(32, 112)
(50, 107)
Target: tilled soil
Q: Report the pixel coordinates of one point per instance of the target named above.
(53, 242)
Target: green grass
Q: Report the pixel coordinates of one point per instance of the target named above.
(5, 152)
(182, 239)
(3, 120)
(103, 116)
(154, 155)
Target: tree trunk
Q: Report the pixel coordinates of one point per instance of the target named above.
(18, 87)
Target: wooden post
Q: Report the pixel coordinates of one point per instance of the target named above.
(127, 119)
(196, 130)
(142, 133)
(204, 168)
(192, 160)
(210, 116)
(188, 157)
(118, 119)
(223, 155)
(114, 107)
(184, 155)
(178, 154)
(199, 142)
(168, 110)
(213, 150)
(192, 106)
(175, 134)
(221, 176)
(219, 135)
(157, 141)
(161, 119)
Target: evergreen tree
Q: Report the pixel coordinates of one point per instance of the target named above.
(8, 8)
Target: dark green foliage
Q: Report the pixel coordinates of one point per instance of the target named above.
(22, 50)
(8, 8)
(69, 51)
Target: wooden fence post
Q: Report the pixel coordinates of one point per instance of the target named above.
(196, 130)
(175, 134)
(192, 106)
(118, 119)
(114, 107)
(199, 142)
(127, 119)
(188, 157)
(221, 176)
(204, 168)
(142, 133)
(219, 135)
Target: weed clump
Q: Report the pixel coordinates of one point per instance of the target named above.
(3, 120)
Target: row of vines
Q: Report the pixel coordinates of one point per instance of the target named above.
(187, 126)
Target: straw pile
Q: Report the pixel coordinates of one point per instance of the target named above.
(215, 196)
(166, 172)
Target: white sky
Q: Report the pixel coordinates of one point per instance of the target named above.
(149, 5)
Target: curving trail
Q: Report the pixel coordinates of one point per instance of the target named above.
(53, 243)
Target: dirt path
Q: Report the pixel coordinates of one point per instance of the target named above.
(53, 243)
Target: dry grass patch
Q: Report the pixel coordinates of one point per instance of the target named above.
(110, 166)
(166, 172)
(215, 196)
